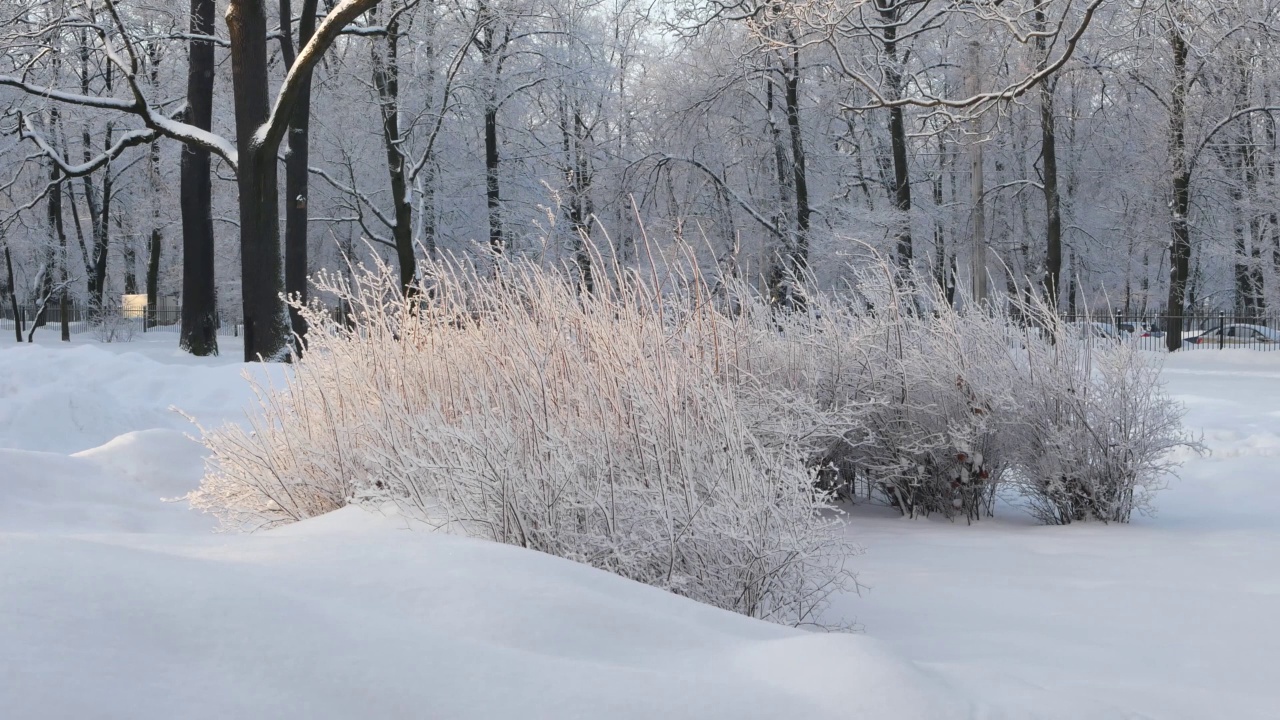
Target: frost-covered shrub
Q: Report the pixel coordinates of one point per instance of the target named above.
(934, 410)
(919, 391)
(615, 429)
(1098, 428)
(688, 438)
(110, 325)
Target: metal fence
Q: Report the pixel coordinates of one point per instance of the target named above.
(80, 319)
(1207, 331)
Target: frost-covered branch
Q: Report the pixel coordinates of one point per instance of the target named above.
(130, 139)
(330, 28)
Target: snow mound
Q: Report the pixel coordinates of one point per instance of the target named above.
(117, 604)
(67, 399)
(363, 620)
(166, 462)
(100, 491)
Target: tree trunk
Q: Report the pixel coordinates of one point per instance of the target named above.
(296, 175)
(1072, 288)
(493, 193)
(199, 295)
(978, 262)
(99, 206)
(800, 251)
(1049, 155)
(153, 277)
(13, 295)
(1180, 247)
(944, 279)
(102, 235)
(130, 259)
(155, 242)
(490, 47)
(780, 260)
(156, 238)
(266, 320)
(59, 238)
(898, 140)
(386, 79)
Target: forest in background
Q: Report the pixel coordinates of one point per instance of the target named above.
(1108, 153)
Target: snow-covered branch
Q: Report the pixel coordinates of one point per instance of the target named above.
(271, 131)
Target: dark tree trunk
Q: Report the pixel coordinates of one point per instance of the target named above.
(386, 79)
(800, 179)
(130, 258)
(426, 179)
(941, 276)
(102, 234)
(296, 161)
(493, 193)
(266, 318)
(780, 262)
(1049, 155)
(793, 219)
(99, 205)
(59, 234)
(901, 189)
(13, 295)
(1180, 246)
(153, 276)
(156, 239)
(267, 330)
(576, 169)
(266, 324)
(199, 296)
(1072, 289)
(491, 42)
(99, 228)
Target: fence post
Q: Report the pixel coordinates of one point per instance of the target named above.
(1222, 328)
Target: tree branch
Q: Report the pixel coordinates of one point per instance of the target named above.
(271, 132)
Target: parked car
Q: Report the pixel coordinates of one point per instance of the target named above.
(1137, 329)
(1096, 330)
(1239, 334)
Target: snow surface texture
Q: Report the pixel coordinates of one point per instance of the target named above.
(116, 604)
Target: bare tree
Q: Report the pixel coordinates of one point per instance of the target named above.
(261, 124)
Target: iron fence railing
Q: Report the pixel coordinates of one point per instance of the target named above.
(1204, 331)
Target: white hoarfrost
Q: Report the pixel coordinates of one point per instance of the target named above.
(116, 603)
(689, 438)
(596, 428)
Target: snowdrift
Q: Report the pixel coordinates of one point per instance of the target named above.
(116, 604)
(360, 619)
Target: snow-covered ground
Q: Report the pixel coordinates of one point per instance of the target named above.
(1173, 616)
(117, 604)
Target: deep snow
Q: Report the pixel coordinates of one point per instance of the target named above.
(115, 603)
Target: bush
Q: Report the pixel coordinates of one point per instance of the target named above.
(110, 325)
(689, 439)
(937, 410)
(612, 429)
(933, 404)
(907, 395)
(1098, 431)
